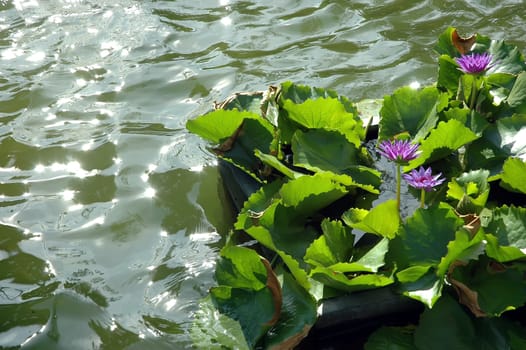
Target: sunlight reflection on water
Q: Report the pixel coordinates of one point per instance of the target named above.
(111, 213)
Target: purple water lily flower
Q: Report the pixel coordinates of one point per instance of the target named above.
(423, 179)
(399, 151)
(475, 63)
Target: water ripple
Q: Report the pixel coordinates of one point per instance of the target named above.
(111, 213)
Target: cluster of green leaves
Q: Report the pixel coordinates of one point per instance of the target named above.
(306, 148)
(276, 138)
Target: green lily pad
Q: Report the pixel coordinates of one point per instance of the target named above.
(275, 163)
(517, 97)
(298, 315)
(309, 194)
(506, 138)
(506, 234)
(497, 288)
(241, 268)
(445, 139)
(424, 237)
(448, 74)
(341, 281)
(470, 190)
(252, 309)
(382, 220)
(409, 110)
(448, 326)
(320, 149)
(300, 93)
(214, 330)
(237, 133)
(328, 114)
(334, 246)
(512, 177)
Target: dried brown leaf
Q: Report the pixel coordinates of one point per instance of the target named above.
(293, 341)
(463, 45)
(275, 289)
(466, 296)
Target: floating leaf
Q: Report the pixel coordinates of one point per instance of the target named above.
(334, 246)
(517, 97)
(369, 111)
(300, 93)
(506, 58)
(252, 309)
(423, 239)
(409, 110)
(496, 287)
(512, 177)
(506, 234)
(320, 149)
(214, 330)
(470, 190)
(238, 134)
(506, 138)
(298, 315)
(451, 43)
(383, 219)
(219, 125)
(427, 288)
(448, 326)
(371, 261)
(241, 268)
(247, 284)
(328, 114)
(419, 248)
(243, 101)
(279, 229)
(448, 74)
(447, 138)
(462, 249)
(341, 281)
(309, 194)
(275, 163)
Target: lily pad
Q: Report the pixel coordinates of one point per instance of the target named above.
(409, 110)
(214, 330)
(506, 234)
(487, 280)
(321, 149)
(447, 138)
(512, 177)
(382, 220)
(328, 114)
(463, 331)
(506, 138)
(334, 246)
(470, 190)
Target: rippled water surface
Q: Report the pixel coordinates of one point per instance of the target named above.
(111, 214)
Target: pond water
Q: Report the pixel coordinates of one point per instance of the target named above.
(111, 214)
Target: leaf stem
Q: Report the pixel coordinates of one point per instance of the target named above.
(398, 185)
(473, 93)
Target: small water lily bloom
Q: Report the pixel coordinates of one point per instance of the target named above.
(423, 179)
(399, 151)
(475, 63)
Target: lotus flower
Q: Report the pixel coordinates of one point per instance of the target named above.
(398, 151)
(475, 63)
(423, 179)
